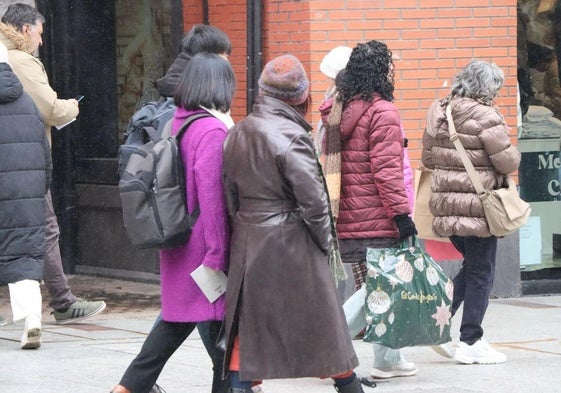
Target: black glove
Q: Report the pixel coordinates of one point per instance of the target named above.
(405, 225)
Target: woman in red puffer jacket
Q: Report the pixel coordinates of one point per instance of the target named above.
(374, 208)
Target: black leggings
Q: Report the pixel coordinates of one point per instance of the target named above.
(162, 341)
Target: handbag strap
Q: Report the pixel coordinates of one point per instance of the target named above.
(455, 139)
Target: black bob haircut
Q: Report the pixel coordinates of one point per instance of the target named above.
(208, 80)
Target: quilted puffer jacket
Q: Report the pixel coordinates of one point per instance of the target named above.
(24, 176)
(484, 134)
(372, 184)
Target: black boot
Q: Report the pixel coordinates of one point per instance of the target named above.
(156, 389)
(220, 385)
(354, 387)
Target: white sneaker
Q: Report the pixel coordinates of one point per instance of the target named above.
(402, 369)
(31, 338)
(478, 353)
(446, 350)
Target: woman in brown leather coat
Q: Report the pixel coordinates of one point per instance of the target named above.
(457, 209)
(283, 317)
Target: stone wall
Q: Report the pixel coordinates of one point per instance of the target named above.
(143, 39)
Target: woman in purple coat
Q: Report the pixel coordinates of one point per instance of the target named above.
(184, 306)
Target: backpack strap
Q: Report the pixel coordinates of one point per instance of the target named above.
(166, 132)
(152, 133)
(190, 120)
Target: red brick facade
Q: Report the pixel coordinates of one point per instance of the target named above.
(431, 41)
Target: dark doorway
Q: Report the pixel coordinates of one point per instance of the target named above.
(81, 49)
(79, 55)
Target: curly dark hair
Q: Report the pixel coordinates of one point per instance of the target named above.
(370, 70)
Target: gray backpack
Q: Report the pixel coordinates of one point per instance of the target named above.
(152, 190)
(153, 114)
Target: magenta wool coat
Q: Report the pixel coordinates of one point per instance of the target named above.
(201, 149)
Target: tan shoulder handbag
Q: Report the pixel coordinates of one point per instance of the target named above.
(422, 216)
(504, 210)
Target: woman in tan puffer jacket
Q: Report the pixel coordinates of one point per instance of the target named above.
(455, 204)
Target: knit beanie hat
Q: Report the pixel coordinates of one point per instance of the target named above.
(335, 61)
(3, 53)
(284, 78)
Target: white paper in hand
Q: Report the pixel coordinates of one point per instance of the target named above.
(211, 282)
(65, 124)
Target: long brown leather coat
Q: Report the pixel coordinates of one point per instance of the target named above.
(281, 298)
(454, 203)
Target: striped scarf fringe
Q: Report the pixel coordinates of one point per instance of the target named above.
(335, 262)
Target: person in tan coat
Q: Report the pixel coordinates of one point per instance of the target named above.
(457, 209)
(23, 41)
(20, 31)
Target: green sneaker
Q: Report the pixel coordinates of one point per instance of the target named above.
(3, 320)
(78, 311)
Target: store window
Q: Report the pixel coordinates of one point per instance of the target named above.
(539, 137)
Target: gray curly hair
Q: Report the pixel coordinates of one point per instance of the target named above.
(479, 80)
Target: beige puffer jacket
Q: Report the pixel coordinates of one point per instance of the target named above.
(482, 130)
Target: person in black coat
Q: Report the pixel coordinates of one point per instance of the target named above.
(200, 38)
(24, 179)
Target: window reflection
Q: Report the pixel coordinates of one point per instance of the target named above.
(539, 79)
(539, 25)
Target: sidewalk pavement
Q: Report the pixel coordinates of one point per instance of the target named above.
(90, 357)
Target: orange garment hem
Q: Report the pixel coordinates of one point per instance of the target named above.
(235, 362)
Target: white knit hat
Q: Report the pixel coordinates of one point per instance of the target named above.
(3, 53)
(335, 61)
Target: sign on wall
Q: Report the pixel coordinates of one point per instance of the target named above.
(540, 176)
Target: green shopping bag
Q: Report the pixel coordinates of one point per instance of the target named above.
(408, 298)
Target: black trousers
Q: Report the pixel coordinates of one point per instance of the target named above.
(162, 341)
(473, 283)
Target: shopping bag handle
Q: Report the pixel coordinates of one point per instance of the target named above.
(411, 241)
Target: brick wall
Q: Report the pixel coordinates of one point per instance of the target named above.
(231, 17)
(431, 41)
